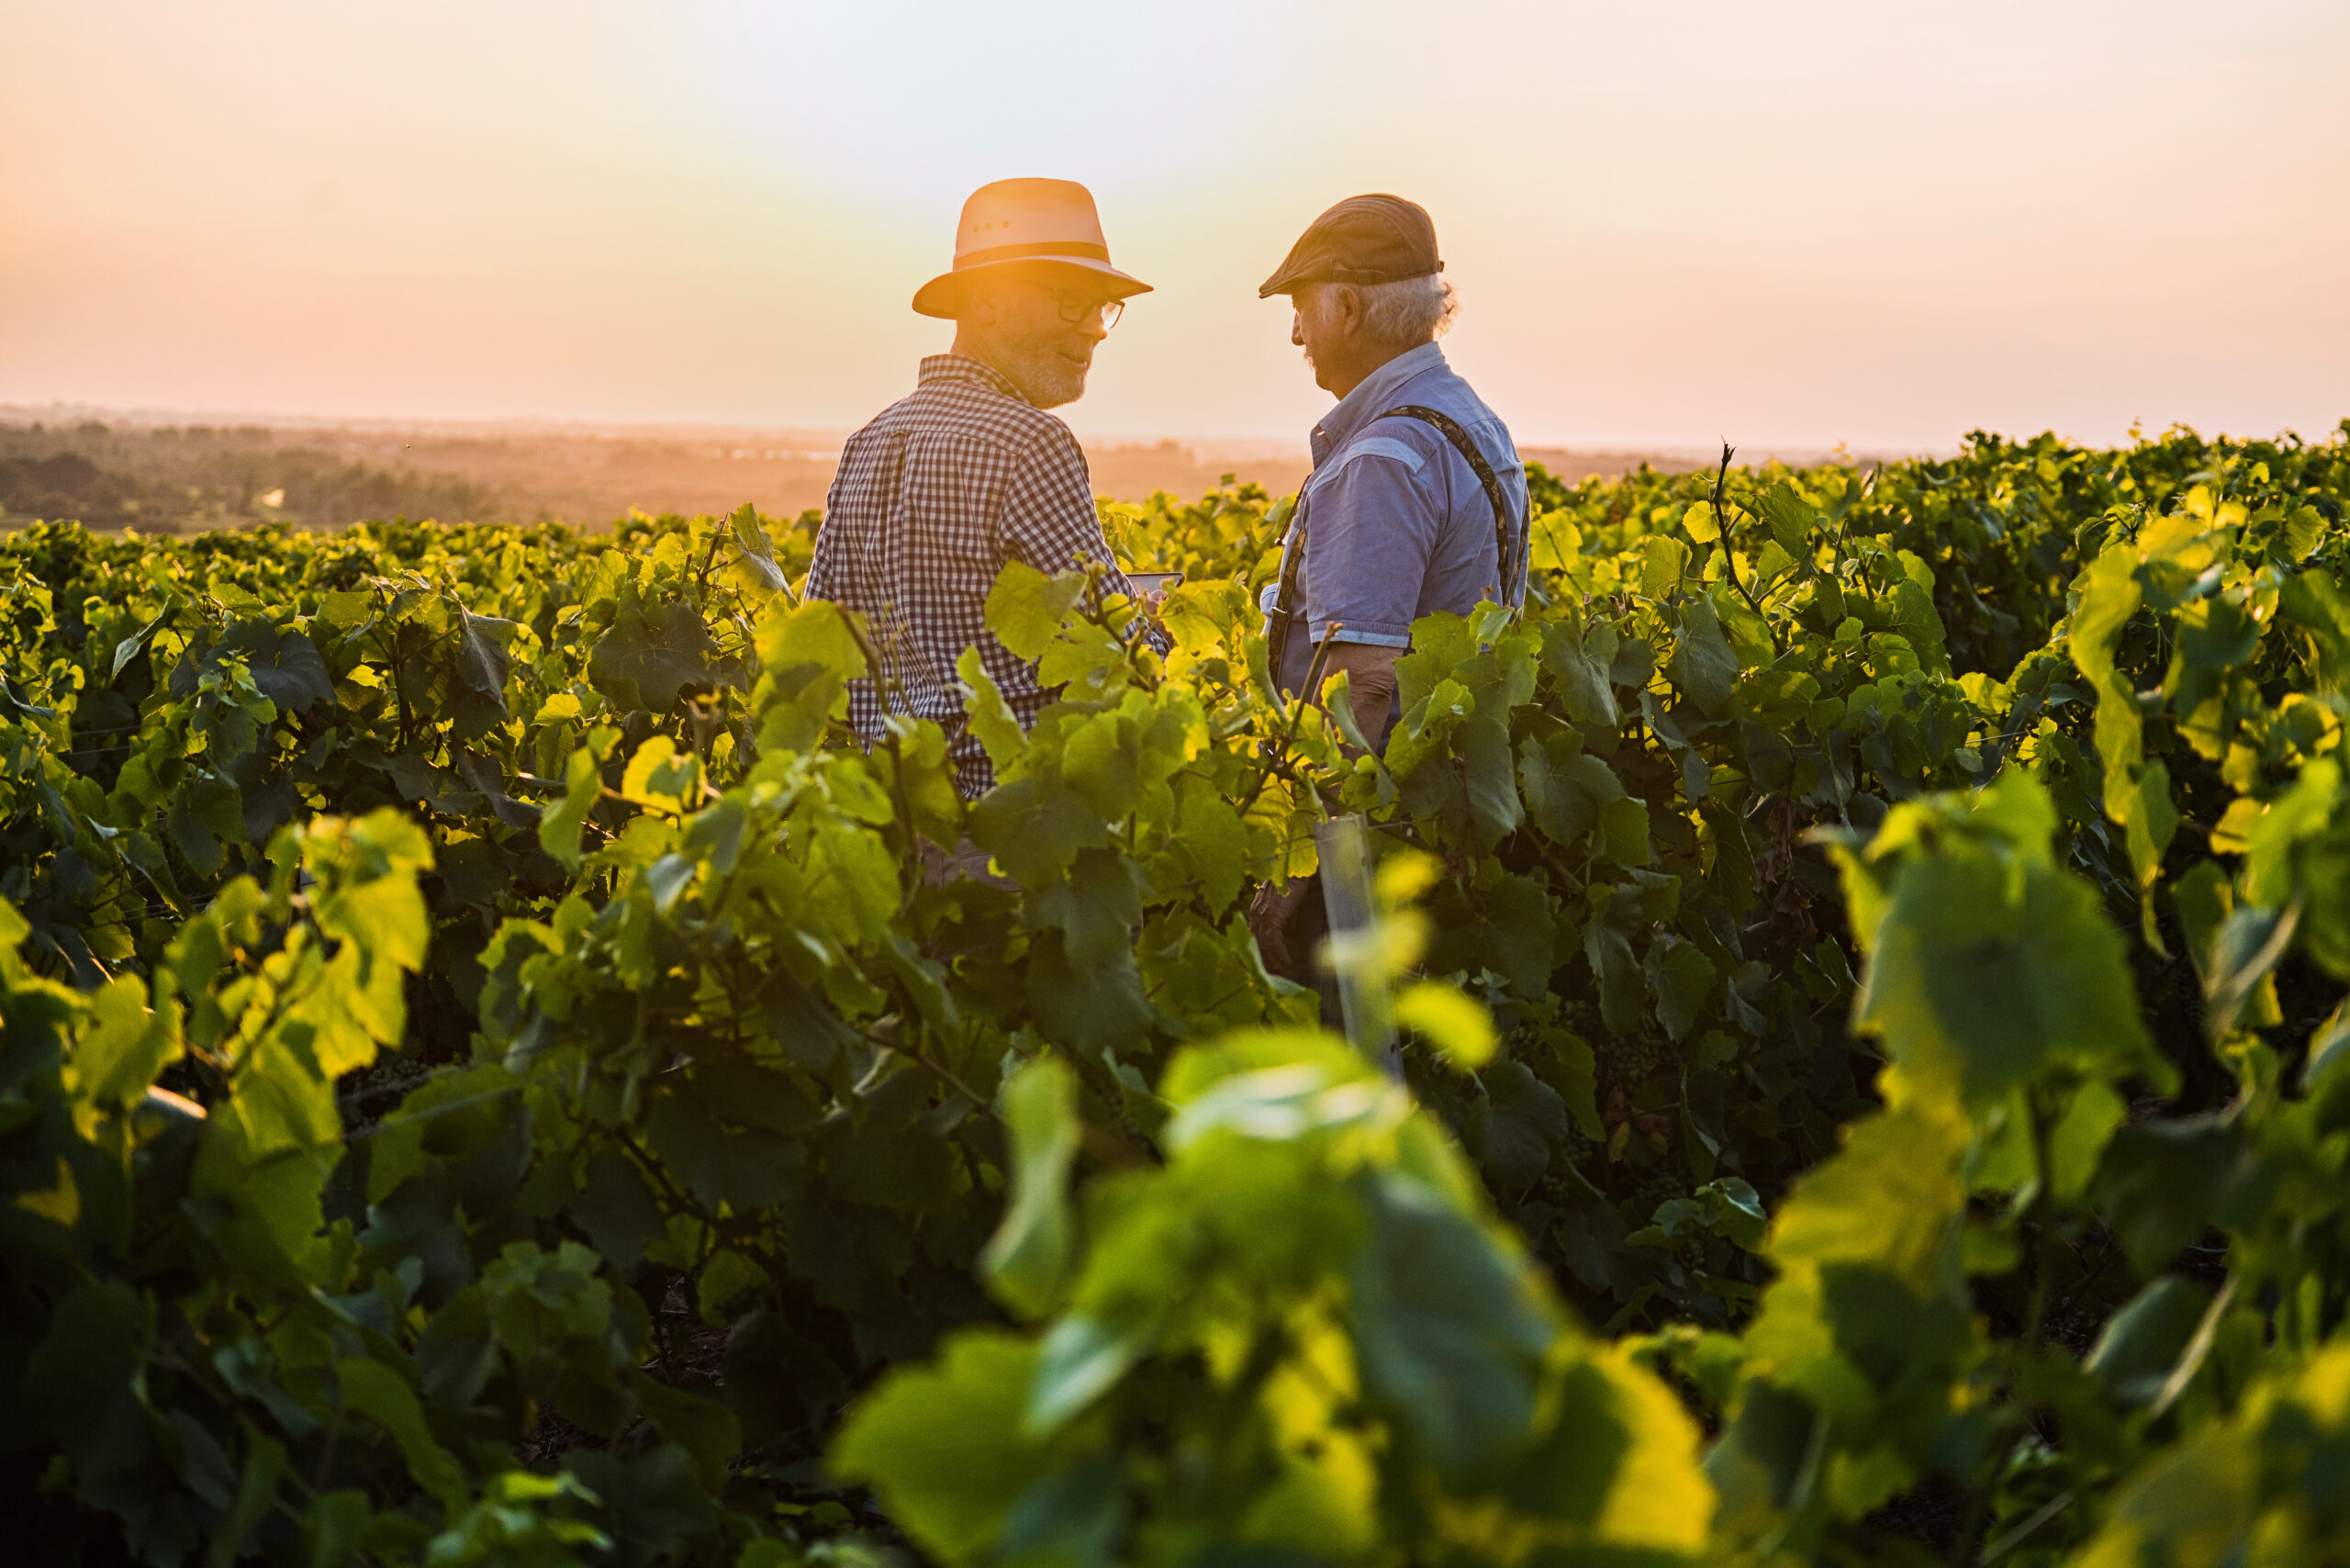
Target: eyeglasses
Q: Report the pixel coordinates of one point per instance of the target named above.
(1077, 308)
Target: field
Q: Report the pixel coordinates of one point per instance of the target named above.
(486, 1079)
(191, 476)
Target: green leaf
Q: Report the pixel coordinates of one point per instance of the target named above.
(1034, 825)
(265, 1468)
(478, 696)
(1213, 843)
(1449, 1329)
(1028, 1258)
(1092, 1009)
(1503, 924)
(582, 786)
(2315, 601)
(117, 1055)
(1987, 966)
(1682, 978)
(1025, 606)
(1077, 1360)
(1578, 663)
(1665, 563)
(286, 665)
(945, 1446)
(992, 719)
(1790, 518)
(650, 654)
(658, 776)
(1624, 832)
(2139, 1344)
(1097, 906)
(1703, 665)
(754, 551)
(1460, 1030)
(1607, 946)
(1890, 1199)
(1519, 1123)
(374, 1389)
(2077, 1140)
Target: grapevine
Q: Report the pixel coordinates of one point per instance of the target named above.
(485, 1076)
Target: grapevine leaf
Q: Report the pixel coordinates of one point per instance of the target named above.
(945, 1446)
(284, 665)
(650, 655)
(1666, 562)
(1790, 518)
(1214, 843)
(754, 551)
(1703, 665)
(1889, 1199)
(1462, 1031)
(1446, 1328)
(1034, 825)
(1580, 667)
(1097, 906)
(1682, 977)
(124, 1046)
(559, 825)
(1092, 1011)
(1516, 1126)
(374, 1389)
(2139, 1344)
(991, 717)
(1024, 608)
(1027, 1260)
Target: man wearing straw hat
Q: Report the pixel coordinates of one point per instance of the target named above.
(968, 472)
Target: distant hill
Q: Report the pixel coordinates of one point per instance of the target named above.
(165, 477)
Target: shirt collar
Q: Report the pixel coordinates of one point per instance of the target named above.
(1371, 398)
(963, 367)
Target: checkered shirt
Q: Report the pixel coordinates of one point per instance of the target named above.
(931, 500)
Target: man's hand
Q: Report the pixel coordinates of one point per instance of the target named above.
(1370, 684)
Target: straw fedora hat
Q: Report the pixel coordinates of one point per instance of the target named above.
(1016, 221)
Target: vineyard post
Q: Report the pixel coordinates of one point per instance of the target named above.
(1356, 954)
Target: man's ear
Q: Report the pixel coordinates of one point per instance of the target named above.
(980, 307)
(1348, 299)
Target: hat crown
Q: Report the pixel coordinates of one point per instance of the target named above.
(1026, 213)
(1369, 238)
(1029, 224)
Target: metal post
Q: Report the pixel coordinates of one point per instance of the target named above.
(1355, 954)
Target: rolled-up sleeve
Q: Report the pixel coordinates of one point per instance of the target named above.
(1372, 528)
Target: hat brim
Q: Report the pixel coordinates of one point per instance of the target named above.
(943, 296)
(1288, 282)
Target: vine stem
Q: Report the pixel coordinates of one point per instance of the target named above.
(2036, 1318)
(1297, 717)
(1721, 501)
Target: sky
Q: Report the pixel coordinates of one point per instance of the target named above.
(1877, 222)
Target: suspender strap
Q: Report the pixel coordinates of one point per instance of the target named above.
(1285, 597)
(1450, 429)
(1284, 614)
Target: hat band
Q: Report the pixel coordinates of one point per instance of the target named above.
(1040, 248)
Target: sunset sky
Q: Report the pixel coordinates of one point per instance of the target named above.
(1875, 222)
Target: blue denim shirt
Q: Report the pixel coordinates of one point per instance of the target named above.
(1397, 525)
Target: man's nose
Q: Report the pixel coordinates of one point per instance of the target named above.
(1297, 329)
(1092, 327)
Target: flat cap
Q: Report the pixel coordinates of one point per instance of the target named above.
(1364, 239)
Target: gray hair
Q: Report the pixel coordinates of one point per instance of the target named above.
(1405, 313)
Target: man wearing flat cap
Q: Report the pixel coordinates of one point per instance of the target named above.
(1417, 501)
(969, 471)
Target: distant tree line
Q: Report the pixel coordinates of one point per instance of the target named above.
(173, 478)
